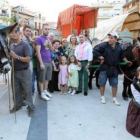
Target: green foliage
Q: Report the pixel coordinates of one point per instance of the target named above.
(9, 21)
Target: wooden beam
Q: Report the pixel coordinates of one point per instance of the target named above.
(138, 20)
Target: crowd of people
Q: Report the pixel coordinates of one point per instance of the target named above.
(55, 65)
(61, 66)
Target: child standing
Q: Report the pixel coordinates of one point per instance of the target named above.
(63, 73)
(73, 81)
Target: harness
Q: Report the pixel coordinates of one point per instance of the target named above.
(5, 48)
(136, 54)
(6, 51)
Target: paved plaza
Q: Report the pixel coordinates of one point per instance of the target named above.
(66, 117)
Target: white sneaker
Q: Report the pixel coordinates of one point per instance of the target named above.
(73, 92)
(116, 102)
(103, 100)
(44, 97)
(47, 93)
(70, 90)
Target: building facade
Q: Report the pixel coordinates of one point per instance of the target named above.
(36, 20)
(39, 20)
(53, 30)
(5, 13)
(21, 13)
(131, 6)
(108, 8)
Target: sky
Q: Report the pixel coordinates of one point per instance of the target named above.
(49, 8)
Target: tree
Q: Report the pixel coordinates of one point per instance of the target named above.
(9, 21)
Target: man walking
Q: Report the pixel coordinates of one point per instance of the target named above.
(83, 53)
(44, 66)
(20, 52)
(110, 54)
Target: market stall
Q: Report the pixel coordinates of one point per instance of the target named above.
(76, 17)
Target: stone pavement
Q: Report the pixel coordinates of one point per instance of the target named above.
(67, 117)
(82, 117)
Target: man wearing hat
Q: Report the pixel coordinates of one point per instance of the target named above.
(110, 54)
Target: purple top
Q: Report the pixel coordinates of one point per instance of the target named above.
(45, 54)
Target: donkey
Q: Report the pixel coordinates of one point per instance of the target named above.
(4, 50)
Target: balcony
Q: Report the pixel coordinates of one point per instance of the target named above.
(4, 15)
(105, 15)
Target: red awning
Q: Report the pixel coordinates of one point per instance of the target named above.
(81, 17)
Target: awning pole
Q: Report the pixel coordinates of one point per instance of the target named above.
(83, 24)
(94, 25)
(62, 32)
(71, 27)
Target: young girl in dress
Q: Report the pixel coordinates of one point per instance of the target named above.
(63, 74)
(73, 80)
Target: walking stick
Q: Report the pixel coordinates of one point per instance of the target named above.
(14, 97)
(9, 93)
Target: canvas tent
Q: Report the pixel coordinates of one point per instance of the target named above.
(76, 17)
(118, 24)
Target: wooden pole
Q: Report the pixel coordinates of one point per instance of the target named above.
(94, 25)
(83, 24)
(71, 27)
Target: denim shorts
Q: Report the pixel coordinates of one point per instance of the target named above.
(113, 81)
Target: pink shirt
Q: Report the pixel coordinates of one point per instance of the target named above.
(87, 53)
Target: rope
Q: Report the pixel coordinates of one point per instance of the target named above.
(125, 75)
(14, 90)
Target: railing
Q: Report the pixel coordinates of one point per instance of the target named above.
(4, 15)
(96, 66)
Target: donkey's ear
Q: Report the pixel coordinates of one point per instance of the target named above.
(5, 31)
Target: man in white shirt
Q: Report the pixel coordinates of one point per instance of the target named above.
(83, 53)
(74, 32)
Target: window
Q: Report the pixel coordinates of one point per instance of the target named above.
(116, 12)
(106, 12)
(39, 25)
(39, 16)
(35, 25)
(3, 13)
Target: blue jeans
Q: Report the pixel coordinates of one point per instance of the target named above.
(113, 81)
(34, 77)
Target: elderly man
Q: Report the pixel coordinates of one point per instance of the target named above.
(51, 36)
(83, 53)
(20, 52)
(74, 32)
(110, 54)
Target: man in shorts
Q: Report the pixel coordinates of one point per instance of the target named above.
(44, 66)
(110, 54)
